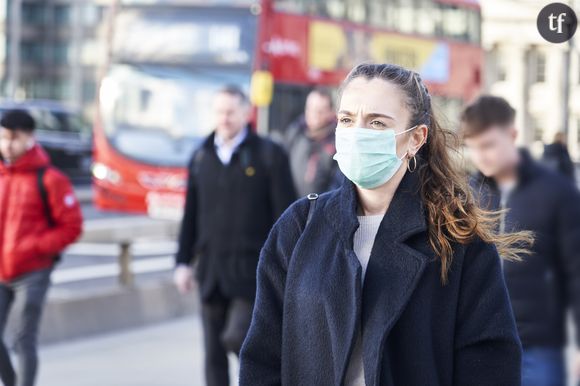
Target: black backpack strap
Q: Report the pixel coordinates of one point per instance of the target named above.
(44, 196)
(45, 203)
(312, 197)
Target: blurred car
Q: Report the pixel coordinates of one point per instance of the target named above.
(61, 131)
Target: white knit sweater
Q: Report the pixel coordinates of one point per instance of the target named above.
(364, 239)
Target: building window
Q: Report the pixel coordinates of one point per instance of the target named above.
(62, 89)
(33, 14)
(501, 67)
(91, 14)
(538, 66)
(578, 69)
(37, 88)
(89, 91)
(62, 53)
(32, 52)
(62, 15)
(537, 131)
(446, 107)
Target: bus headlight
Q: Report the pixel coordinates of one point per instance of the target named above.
(104, 173)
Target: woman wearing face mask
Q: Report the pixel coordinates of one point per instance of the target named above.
(393, 279)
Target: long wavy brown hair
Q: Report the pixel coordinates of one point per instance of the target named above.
(453, 215)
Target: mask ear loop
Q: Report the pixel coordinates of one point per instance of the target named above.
(414, 157)
(402, 132)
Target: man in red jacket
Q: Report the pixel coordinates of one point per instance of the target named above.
(39, 217)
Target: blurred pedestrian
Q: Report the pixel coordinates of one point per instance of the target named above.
(393, 279)
(547, 283)
(310, 144)
(556, 157)
(239, 183)
(39, 217)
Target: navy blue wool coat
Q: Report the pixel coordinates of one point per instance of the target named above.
(415, 331)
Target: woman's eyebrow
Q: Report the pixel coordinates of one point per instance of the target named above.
(369, 115)
(379, 115)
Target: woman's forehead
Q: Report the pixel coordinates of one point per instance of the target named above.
(373, 96)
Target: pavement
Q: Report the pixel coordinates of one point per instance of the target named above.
(168, 354)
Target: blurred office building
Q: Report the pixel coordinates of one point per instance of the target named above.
(52, 49)
(540, 79)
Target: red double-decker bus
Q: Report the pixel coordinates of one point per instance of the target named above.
(168, 58)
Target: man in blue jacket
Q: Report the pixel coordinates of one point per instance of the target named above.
(547, 283)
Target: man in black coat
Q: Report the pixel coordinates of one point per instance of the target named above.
(238, 185)
(547, 283)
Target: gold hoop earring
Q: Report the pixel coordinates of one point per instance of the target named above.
(414, 158)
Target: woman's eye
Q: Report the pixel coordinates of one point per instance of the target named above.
(377, 123)
(345, 120)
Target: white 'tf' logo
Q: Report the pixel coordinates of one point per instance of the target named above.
(559, 19)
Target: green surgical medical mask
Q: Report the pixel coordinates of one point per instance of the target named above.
(368, 157)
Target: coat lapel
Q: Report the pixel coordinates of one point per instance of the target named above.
(394, 268)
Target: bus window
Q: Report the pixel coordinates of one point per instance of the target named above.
(474, 26)
(356, 11)
(333, 9)
(455, 22)
(378, 12)
(290, 6)
(428, 18)
(401, 16)
(336, 9)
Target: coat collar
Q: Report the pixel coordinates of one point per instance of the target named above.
(32, 160)
(527, 170)
(394, 268)
(405, 216)
(250, 137)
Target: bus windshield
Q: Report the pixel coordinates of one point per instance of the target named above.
(157, 115)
